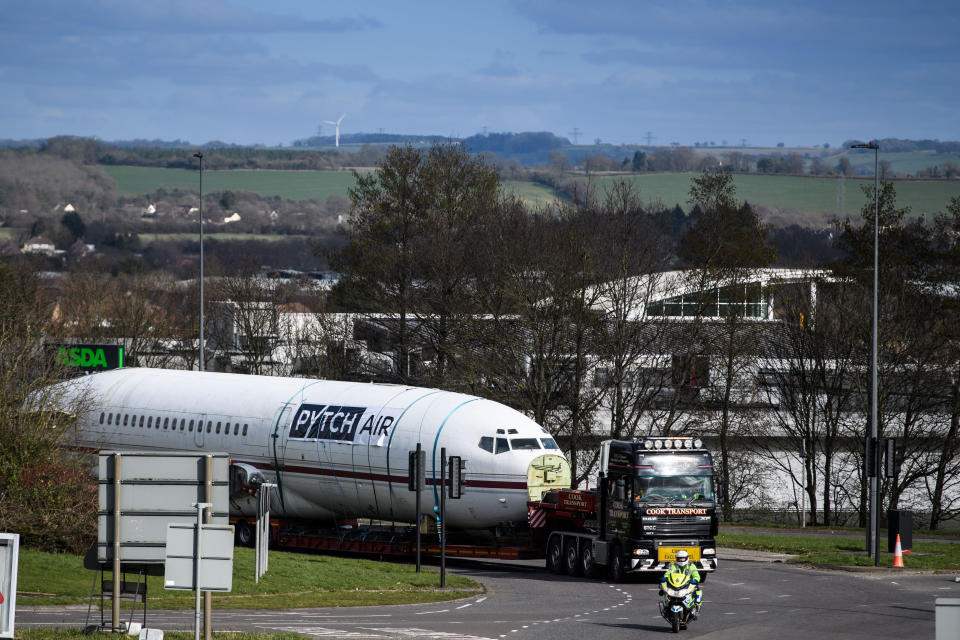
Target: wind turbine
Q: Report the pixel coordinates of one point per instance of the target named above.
(337, 125)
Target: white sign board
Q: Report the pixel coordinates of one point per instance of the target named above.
(216, 561)
(154, 490)
(9, 554)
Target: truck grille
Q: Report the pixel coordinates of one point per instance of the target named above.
(678, 525)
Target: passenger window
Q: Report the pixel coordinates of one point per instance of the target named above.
(486, 443)
(218, 426)
(109, 418)
(102, 415)
(209, 426)
(226, 429)
(236, 429)
(524, 443)
(166, 422)
(244, 429)
(549, 443)
(141, 422)
(183, 423)
(190, 427)
(502, 445)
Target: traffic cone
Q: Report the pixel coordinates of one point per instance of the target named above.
(897, 554)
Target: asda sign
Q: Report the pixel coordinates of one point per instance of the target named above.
(89, 357)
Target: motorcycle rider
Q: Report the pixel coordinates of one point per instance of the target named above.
(683, 565)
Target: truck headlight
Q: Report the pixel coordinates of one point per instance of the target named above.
(709, 551)
(641, 552)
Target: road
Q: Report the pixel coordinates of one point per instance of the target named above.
(746, 598)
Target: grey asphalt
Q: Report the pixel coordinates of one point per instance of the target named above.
(754, 594)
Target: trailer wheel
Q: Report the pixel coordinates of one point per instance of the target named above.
(571, 557)
(243, 534)
(587, 561)
(617, 572)
(555, 555)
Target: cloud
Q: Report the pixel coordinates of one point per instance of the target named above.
(49, 18)
(503, 64)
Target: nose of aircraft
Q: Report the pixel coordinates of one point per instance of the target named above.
(549, 471)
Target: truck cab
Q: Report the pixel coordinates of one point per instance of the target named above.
(660, 498)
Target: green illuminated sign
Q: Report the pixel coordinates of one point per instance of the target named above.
(93, 357)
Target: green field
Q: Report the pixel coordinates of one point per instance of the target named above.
(823, 197)
(147, 238)
(817, 199)
(296, 185)
(843, 551)
(294, 580)
(531, 193)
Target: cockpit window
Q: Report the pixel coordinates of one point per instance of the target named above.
(549, 443)
(486, 443)
(512, 431)
(502, 445)
(524, 443)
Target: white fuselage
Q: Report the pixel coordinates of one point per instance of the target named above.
(338, 450)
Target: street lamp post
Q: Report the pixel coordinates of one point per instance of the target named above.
(199, 154)
(873, 528)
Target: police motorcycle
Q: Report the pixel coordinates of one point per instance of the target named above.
(680, 599)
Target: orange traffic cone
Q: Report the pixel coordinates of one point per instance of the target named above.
(897, 554)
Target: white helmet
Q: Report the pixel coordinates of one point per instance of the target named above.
(682, 557)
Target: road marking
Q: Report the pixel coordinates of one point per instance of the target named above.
(464, 606)
(764, 611)
(729, 613)
(423, 613)
(743, 598)
(784, 595)
(737, 584)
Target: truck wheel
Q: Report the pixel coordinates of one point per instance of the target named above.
(243, 535)
(555, 555)
(617, 571)
(587, 561)
(571, 557)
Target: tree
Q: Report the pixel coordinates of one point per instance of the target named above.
(386, 217)
(724, 246)
(713, 190)
(74, 224)
(46, 493)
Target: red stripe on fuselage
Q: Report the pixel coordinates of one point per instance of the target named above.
(381, 477)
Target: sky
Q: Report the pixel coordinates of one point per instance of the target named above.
(752, 73)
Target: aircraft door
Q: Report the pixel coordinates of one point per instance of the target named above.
(279, 433)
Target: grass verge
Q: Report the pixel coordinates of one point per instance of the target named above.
(294, 580)
(844, 551)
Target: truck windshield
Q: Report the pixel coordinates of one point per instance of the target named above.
(671, 488)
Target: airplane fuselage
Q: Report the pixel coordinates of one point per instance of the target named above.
(337, 450)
